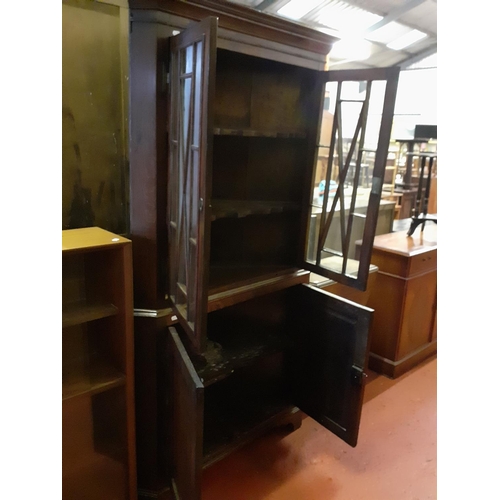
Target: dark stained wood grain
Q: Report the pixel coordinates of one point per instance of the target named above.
(255, 177)
(151, 376)
(327, 362)
(221, 297)
(189, 172)
(187, 408)
(242, 19)
(390, 76)
(148, 188)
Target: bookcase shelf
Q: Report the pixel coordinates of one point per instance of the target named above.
(77, 314)
(98, 417)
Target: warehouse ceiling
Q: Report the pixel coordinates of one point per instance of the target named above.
(371, 33)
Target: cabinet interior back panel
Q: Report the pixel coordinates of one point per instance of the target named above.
(259, 168)
(262, 95)
(256, 239)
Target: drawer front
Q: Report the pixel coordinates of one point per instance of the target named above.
(390, 263)
(423, 263)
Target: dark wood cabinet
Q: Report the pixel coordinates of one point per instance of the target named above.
(255, 199)
(267, 358)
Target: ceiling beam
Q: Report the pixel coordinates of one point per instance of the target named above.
(429, 51)
(395, 14)
(265, 4)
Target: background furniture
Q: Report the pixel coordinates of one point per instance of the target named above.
(407, 151)
(404, 298)
(359, 296)
(420, 212)
(98, 427)
(404, 202)
(385, 219)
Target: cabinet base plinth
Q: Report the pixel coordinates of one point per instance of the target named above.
(164, 494)
(394, 369)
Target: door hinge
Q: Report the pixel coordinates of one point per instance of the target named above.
(358, 375)
(201, 204)
(165, 77)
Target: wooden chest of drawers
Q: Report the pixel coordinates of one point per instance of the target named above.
(404, 330)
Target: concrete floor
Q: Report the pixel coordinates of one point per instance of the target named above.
(395, 458)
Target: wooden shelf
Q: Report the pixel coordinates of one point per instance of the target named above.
(80, 313)
(242, 132)
(236, 409)
(241, 208)
(235, 352)
(242, 431)
(231, 285)
(90, 238)
(99, 478)
(100, 378)
(98, 431)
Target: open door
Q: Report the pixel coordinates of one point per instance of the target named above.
(187, 422)
(351, 154)
(191, 88)
(325, 366)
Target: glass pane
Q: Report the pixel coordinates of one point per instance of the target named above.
(187, 59)
(184, 208)
(197, 94)
(185, 140)
(173, 178)
(339, 200)
(353, 90)
(94, 126)
(188, 180)
(323, 150)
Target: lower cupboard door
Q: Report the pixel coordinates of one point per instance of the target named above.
(328, 358)
(187, 422)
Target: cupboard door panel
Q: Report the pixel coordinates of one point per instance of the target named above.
(192, 79)
(351, 153)
(187, 422)
(329, 356)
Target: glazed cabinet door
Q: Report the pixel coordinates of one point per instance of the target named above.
(191, 88)
(187, 399)
(325, 367)
(351, 153)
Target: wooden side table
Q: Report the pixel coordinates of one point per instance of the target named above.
(404, 330)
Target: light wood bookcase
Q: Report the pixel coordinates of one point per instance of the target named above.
(98, 424)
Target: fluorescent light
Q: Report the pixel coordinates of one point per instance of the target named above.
(295, 9)
(406, 40)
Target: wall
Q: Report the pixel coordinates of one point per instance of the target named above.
(416, 102)
(94, 116)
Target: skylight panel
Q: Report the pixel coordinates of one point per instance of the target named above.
(388, 33)
(406, 40)
(346, 19)
(295, 9)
